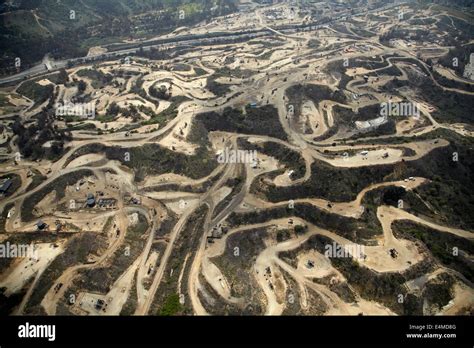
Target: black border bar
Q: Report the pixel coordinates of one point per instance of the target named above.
(241, 331)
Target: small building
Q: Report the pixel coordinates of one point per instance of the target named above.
(41, 225)
(90, 200)
(393, 253)
(107, 203)
(100, 304)
(217, 232)
(5, 186)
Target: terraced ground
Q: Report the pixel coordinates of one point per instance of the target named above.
(342, 211)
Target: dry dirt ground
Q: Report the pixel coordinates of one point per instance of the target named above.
(261, 71)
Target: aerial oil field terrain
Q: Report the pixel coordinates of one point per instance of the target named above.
(178, 158)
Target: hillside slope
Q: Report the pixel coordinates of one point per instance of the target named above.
(67, 28)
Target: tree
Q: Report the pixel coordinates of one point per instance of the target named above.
(63, 77)
(57, 148)
(113, 109)
(81, 86)
(393, 194)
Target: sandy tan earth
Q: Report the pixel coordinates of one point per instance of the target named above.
(84, 160)
(278, 62)
(26, 268)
